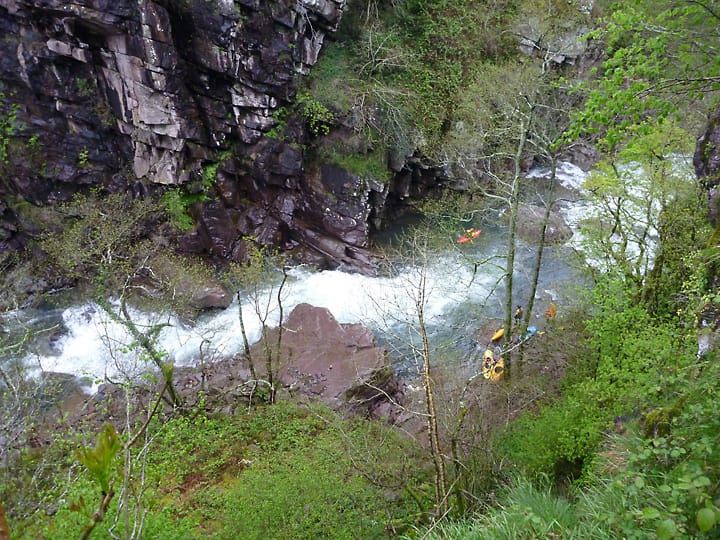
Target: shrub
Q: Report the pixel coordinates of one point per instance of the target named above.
(633, 354)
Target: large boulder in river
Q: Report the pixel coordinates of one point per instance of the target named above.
(529, 225)
(338, 363)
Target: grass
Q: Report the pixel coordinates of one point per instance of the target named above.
(286, 471)
(369, 166)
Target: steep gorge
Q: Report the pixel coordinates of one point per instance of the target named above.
(137, 96)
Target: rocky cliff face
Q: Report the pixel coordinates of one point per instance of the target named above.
(139, 95)
(707, 164)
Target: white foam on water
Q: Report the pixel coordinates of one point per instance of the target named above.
(98, 347)
(567, 174)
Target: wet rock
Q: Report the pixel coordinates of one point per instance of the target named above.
(211, 295)
(529, 225)
(121, 94)
(582, 155)
(338, 363)
(707, 164)
(562, 44)
(200, 293)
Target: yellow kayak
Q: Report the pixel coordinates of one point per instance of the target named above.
(488, 363)
(497, 371)
(492, 369)
(497, 335)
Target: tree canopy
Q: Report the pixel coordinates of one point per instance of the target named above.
(661, 59)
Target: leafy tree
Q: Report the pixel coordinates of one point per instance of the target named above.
(417, 251)
(661, 58)
(105, 245)
(452, 40)
(28, 403)
(633, 193)
(400, 69)
(496, 134)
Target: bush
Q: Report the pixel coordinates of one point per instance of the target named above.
(285, 471)
(635, 358)
(310, 495)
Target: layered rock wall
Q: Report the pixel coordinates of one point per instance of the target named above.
(707, 164)
(140, 94)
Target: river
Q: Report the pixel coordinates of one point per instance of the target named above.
(81, 339)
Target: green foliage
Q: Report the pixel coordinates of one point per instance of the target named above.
(400, 69)
(28, 475)
(83, 158)
(308, 497)
(177, 203)
(315, 481)
(99, 232)
(333, 80)
(181, 454)
(657, 485)
(644, 192)
(280, 115)
(660, 59)
(286, 471)
(525, 512)
(99, 460)
(101, 235)
(451, 38)
(178, 200)
(209, 176)
(628, 353)
(671, 475)
(8, 126)
(317, 116)
(369, 165)
(71, 518)
(85, 87)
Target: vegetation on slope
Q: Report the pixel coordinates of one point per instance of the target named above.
(627, 449)
(286, 471)
(626, 446)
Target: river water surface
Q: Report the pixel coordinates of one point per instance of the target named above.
(81, 339)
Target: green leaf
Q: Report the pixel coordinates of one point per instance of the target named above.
(98, 461)
(666, 529)
(705, 519)
(701, 481)
(650, 513)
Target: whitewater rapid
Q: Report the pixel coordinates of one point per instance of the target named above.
(94, 346)
(459, 297)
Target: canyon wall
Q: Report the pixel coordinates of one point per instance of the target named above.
(147, 95)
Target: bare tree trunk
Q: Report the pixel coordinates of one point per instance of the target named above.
(4, 528)
(146, 343)
(166, 369)
(432, 424)
(246, 342)
(278, 345)
(460, 482)
(99, 515)
(512, 226)
(538, 260)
